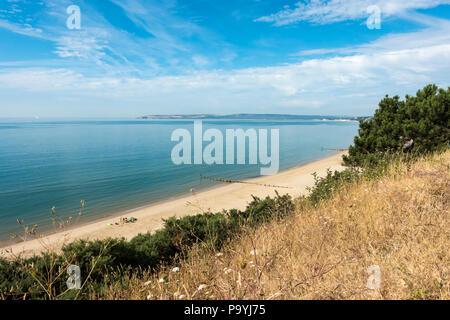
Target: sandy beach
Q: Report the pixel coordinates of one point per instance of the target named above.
(226, 196)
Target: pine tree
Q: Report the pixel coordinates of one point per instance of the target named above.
(419, 124)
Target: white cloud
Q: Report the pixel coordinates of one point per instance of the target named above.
(164, 36)
(301, 103)
(437, 32)
(325, 12)
(80, 47)
(351, 81)
(23, 29)
(40, 80)
(321, 84)
(200, 61)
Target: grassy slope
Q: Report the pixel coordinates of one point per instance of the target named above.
(399, 222)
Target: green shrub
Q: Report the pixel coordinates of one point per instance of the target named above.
(417, 125)
(423, 119)
(325, 187)
(101, 259)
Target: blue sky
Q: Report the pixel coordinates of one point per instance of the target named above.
(136, 57)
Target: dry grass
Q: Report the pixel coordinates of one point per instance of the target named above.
(400, 223)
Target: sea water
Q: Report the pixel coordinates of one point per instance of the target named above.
(119, 165)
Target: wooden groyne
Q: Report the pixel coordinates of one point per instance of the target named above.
(333, 149)
(244, 182)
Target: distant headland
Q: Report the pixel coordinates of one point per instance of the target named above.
(252, 116)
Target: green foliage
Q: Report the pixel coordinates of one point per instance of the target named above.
(325, 187)
(423, 119)
(384, 163)
(100, 260)
(418, 125)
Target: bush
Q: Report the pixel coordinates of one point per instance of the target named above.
(325, 187)
(417, 125)
(45, 276)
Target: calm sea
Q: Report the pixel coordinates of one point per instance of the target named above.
(121, 165)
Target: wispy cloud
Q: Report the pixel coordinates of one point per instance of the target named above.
(106, 44)
(23, 29)
(171, 64)
(331, 11)
(437, 31)
(328, 83)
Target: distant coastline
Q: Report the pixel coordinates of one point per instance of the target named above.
(251, 116)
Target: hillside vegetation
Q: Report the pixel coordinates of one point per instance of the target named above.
(399, 222)
(419, 124)
(387, 211)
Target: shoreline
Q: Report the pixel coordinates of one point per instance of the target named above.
(213, 198)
